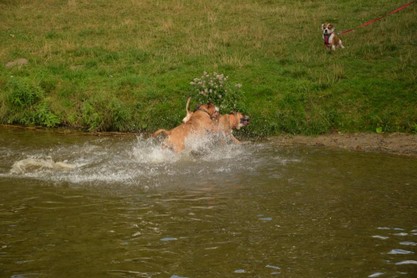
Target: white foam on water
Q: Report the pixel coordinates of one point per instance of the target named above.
(34, 164)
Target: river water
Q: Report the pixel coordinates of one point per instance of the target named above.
(76, 205)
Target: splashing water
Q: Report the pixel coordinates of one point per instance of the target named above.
(139, 161)
(34, 164)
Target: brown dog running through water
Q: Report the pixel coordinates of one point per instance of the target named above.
(201, 122)
(225, 124)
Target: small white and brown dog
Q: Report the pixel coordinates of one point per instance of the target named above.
(331, 40)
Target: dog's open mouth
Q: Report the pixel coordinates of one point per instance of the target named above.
(244, 121)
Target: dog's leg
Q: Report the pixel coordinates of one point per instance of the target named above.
(234, 139)
(228, 137)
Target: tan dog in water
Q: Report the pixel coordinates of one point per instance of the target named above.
(227, 123)
(201, 121)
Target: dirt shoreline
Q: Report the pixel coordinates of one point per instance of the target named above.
(393, 143)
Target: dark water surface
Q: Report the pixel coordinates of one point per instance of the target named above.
(73, 205)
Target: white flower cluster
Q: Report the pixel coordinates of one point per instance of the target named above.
(215, 88)
(211, 85)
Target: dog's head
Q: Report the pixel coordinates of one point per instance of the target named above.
(242, 120)
(210, 109)
(327, 28)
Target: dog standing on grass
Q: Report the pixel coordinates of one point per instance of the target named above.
(331, 40)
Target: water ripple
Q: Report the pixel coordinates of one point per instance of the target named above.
(407, 262)
(376, 274)
(400, 252)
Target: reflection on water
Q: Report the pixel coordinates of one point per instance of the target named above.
(85, 206)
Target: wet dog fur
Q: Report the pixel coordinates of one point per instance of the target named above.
(229, 122)
(201, 121)
(225, 123)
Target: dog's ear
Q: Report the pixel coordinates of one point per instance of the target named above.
(322, 26)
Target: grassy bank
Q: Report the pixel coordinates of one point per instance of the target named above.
(127, 65)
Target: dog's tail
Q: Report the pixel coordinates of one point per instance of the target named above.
(187, 111)
(188, 105)
(159, 131)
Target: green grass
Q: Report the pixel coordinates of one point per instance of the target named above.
(127, 65)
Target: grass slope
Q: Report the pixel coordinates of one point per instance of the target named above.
(127, 65)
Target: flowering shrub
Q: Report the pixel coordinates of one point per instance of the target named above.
(215, 88)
